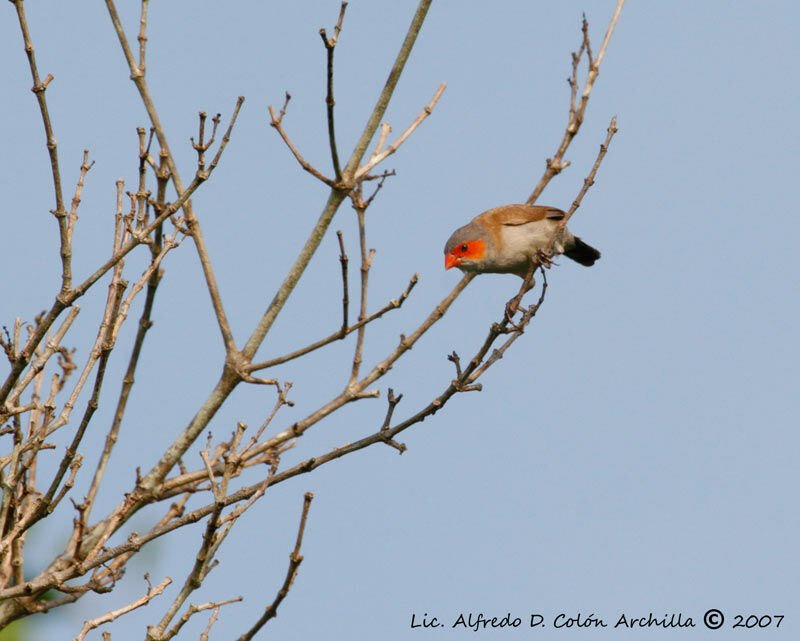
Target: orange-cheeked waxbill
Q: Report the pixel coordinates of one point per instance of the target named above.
(505, 240)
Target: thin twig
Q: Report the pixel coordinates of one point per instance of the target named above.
(366, 262)
(276, 121)
(337, 196)
(356, 390)
(76, 199)
(202, 145)
(127, 381)
(295, 559)
(63, 301)
(192, 610)
(138, 78)
(282, 400)
(38, 89)
(99, 555)
(467, 377)
(395, 303)
(88, 626)
(330, 45)
(202, 565)
(250, 456)
(48, 504)
(380, 155)
(142, 35)
(589, 180)
(103, 342)
(393, 401)
(41, 361)
(343, 259)
(557, 163)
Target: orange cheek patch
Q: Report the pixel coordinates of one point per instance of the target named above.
(472, 250)
(476, 250)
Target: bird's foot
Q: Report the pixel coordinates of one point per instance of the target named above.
(545, 258)
(512, 307)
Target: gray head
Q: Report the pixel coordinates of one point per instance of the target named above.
(467, 248)
(470, 231)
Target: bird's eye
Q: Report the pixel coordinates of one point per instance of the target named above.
(463, 248)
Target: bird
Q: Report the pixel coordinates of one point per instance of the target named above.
(506, 239)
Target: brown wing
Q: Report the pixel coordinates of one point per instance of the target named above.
(511, 215)
(518, 215)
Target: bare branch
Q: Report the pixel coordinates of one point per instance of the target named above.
(356, 390)
(345, 295)
(38, 365)
(463, 383)
(393, 401)
(611, 26)
(142, 35)
(589, 180)
(76, 199)
(38, 89)
(277, 123)
(295, 559)
(103, 343)
(379, 155)
(128, 379)
(381, 178)
(192, 610)
(86, 564)
(48, 504)
(138, 77)
(330, 44)
(202, 564)
(366, 262)
(457, 382)
(337, 196)
(223, 143)
(65, 300)
(88, 626)
(202, 145)
(282, 400)
(576, 113)
(474, 371)
(395, 303)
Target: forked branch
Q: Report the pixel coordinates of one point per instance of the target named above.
(138, 78)
(276, 121)
(337, 196)
(151, 593)
(381, 154)
(577, 111)
(330, 45)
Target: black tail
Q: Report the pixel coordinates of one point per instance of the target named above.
(582, 253)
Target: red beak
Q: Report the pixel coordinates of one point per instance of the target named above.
(451, 261)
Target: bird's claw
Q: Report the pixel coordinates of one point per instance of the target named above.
(512, 307)
(545, 258)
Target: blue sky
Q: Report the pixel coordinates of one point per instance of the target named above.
(633, 453)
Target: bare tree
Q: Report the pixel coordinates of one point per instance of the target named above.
(44, 384)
